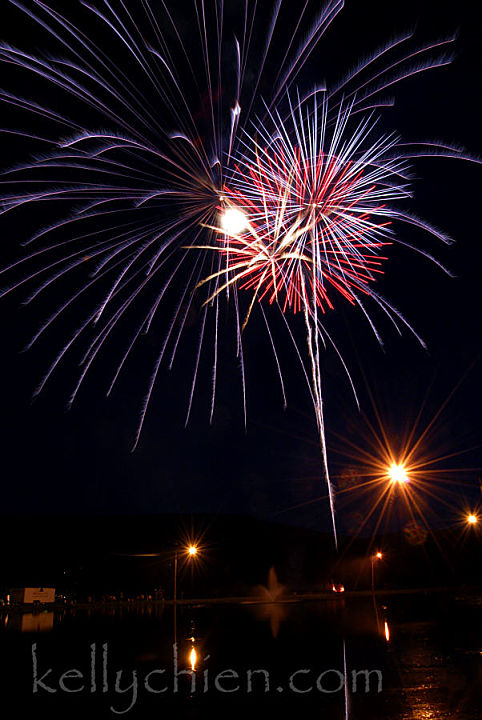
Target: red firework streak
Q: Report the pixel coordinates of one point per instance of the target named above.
(307, 229)
(299, 223)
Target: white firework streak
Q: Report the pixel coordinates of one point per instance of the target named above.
(150, 179)
(317, 202)
(141, 171)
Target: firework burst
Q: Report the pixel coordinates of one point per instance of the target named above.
(302, 218)
(149, 155)
(307, 218)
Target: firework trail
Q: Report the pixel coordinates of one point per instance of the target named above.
(168, 138)
(176, 161)
(142, 186)
(305, 214)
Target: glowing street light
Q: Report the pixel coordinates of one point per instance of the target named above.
(472, 519)
(193, 656)
(191, 551)
(378, 556)
(398, 474)
(373, 558)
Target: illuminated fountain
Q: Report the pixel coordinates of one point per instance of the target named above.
(271, 605)
(273, 591)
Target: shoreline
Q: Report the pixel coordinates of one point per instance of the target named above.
(234, 600)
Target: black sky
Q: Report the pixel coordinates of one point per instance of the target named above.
(80, 461)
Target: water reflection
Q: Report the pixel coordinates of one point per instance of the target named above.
(270, 609)
(434, 687)
(29, 622)
(427, 648)
(273, 613)
(193, 658)
(39, 620)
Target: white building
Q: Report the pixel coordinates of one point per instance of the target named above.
(31, 595)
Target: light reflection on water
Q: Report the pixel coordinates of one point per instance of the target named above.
(30, 622)
(435, 687)
(430, 669)
(45, 620)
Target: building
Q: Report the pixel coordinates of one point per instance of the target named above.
(30, 595)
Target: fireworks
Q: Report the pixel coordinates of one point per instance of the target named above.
(305, 219)
(165, 168)
(299, 219)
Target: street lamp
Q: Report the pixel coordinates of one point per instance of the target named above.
(377, 556)
(472, 519)
(398, 474)
(190, 551)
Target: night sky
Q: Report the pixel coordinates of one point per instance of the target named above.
(79, 462)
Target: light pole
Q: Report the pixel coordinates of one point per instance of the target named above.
(190, 551)
(378, 556)
(175, 576)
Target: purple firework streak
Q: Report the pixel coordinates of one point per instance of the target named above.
(163, 143)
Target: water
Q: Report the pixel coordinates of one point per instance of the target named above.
(251, 659)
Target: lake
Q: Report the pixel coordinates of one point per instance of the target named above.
(416, 657)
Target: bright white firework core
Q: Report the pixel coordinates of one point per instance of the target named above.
(233, 221)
